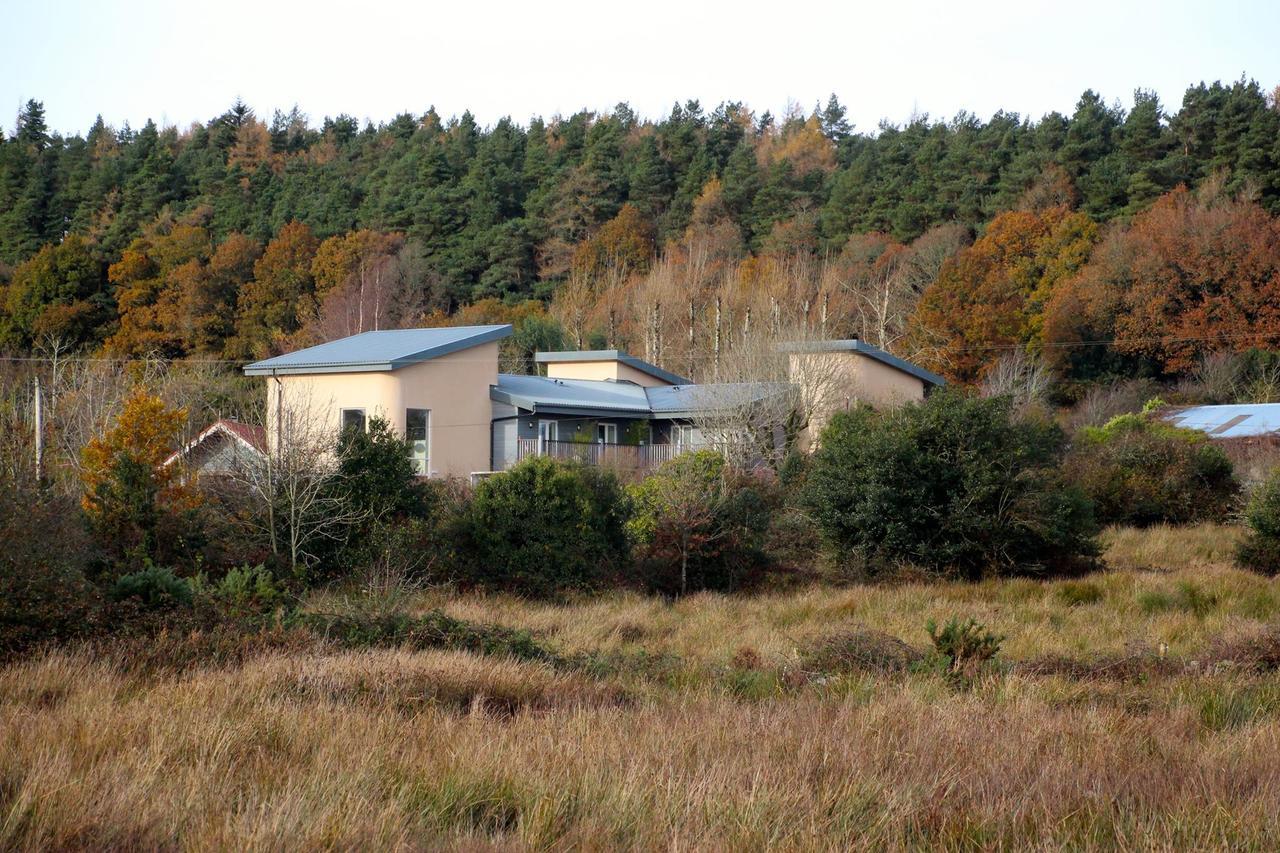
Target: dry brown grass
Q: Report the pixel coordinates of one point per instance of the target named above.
(307, 747)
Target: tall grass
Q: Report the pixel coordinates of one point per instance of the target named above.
(793, 721)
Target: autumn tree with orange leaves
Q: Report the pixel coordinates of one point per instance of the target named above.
(992, 296)
(131, 498)
(1196, 273)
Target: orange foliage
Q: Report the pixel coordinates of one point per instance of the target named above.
(145, 433)
(273, 305)
(1191, 275)
(992, 295)
(621, 246)
(151, 279)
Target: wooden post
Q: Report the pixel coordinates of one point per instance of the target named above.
(690, 341)
(746, 326)
(825, 298)
(716, 344)
(39, 424)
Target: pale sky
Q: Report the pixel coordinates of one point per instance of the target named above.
(179, 61)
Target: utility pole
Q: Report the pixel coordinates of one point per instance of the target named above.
(690, 342)
(39, 419)
(716, 345)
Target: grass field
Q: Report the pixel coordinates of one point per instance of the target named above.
(1135, 708)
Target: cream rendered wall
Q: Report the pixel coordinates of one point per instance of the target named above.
(455, 388)
(834, 381)
(602, 370)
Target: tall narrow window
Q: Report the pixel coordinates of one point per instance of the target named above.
(353, 419)
(607, 433)
(548, 430)
(683, 437)
(417, 423)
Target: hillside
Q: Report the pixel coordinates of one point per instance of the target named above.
(240, 236)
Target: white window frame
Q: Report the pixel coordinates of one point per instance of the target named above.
(425, 469)
(606, 427)
(683, 435)
(549, 430)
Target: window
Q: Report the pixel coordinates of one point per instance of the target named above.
(417, 423)
(353, 419)
(683, 436)
(548, 430)
(607, 433)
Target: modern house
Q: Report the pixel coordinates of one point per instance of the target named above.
(441, 389)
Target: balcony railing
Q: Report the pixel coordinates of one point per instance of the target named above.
(631, 456)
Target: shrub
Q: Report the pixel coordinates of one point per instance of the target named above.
(963, 647)
(250, 588)
(1140, 470)
(154, 587)
(953, 483)
(44, 594)
(546, 526)
(1260, 549)
(860, 651)
(434, 630)
(700, 524)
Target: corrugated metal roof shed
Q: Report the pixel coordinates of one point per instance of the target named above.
(1246, 420)
(387, 349)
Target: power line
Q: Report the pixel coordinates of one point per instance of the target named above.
(686, 357)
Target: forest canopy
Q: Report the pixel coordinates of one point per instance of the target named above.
(949, 241)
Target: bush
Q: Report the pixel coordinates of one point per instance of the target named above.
(376, 480)
(248, 588)
(44, 594)
(154, 587)
(1260, 549)
(964, 648)
(951, 484)
(434, 630)
(1139, 470)
(700, 524)
(545, 527)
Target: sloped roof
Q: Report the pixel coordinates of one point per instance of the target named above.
(863, 348)
(1245, 420)
(604, 398)
(570, 396)
(386, 349)
(249, 436)
(610, 355)
(691, 400)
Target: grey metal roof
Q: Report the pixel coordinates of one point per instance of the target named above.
(381, 350)
(570, 396)
(610, 355)
(855, 345)
(605, 398)
(691, 400)
(1246, 420)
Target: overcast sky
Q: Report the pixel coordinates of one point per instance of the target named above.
(179, 61)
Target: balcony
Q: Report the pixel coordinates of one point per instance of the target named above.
(633, 457)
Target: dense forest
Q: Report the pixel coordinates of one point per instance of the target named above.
(1108, 241)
